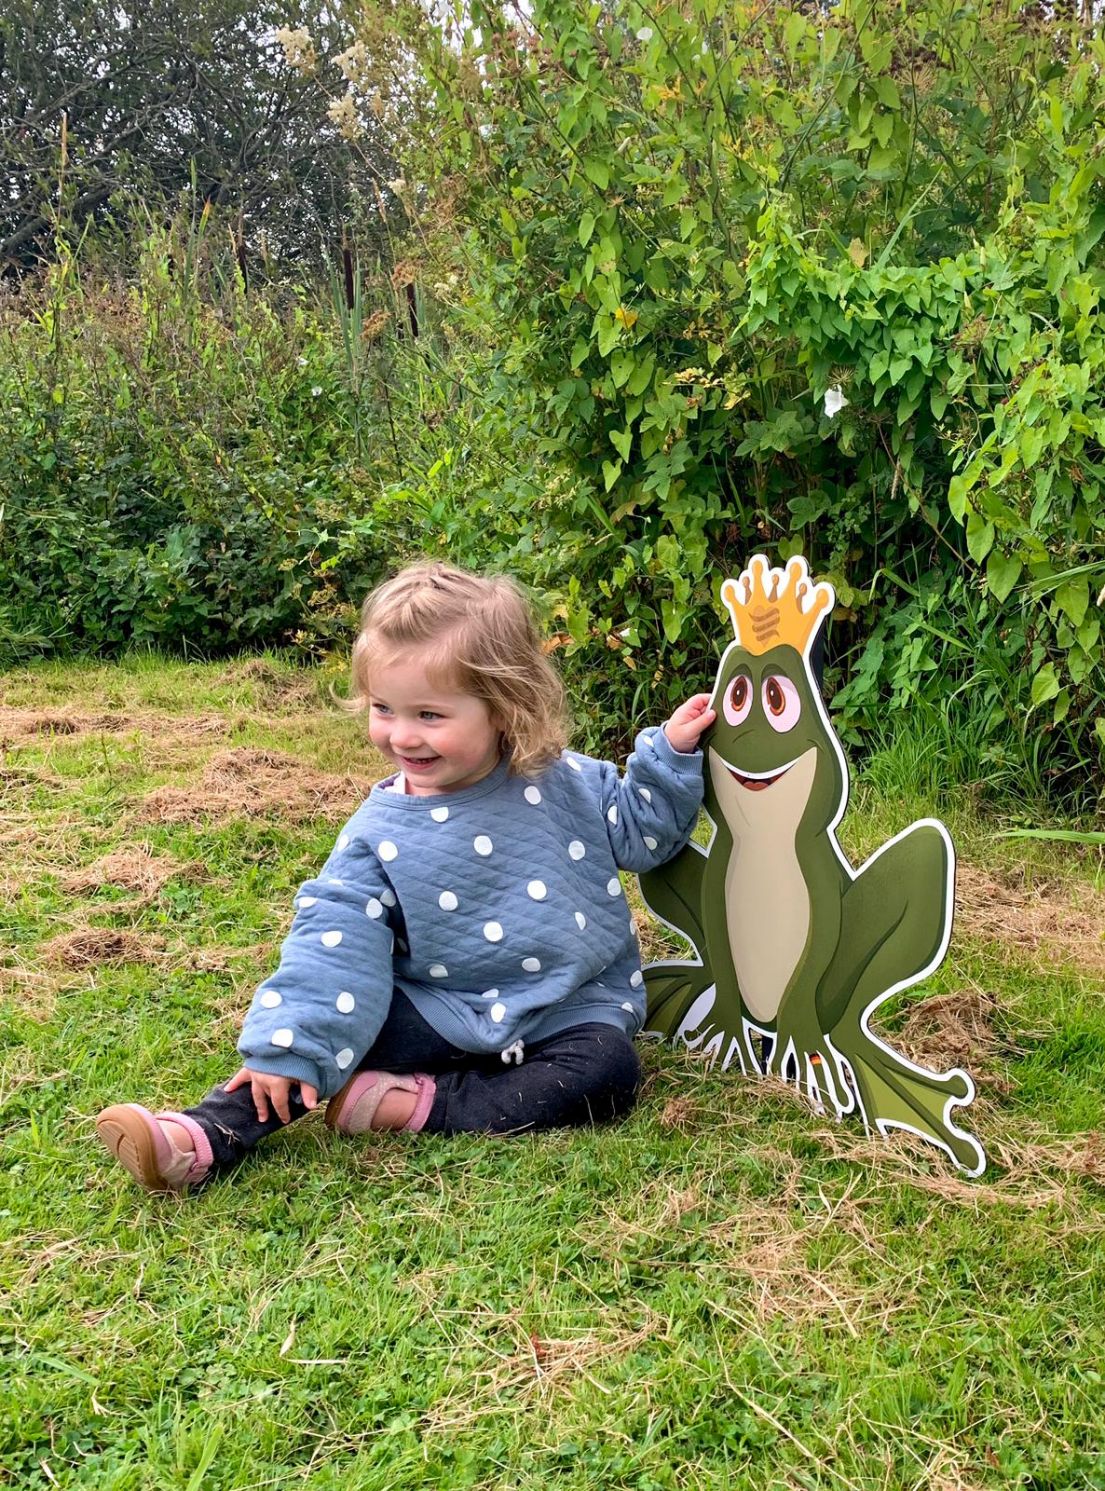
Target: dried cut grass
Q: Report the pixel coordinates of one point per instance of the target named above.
(277, 689)
(537, 1366)
(133, 869)
(28, 724)
(89, 947)
(249, 783)
(1044, 920)
(955, 1030)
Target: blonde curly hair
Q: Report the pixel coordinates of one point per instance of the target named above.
(478, 635)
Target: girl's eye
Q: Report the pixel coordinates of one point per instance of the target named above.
(381, 709)
(428, 714)
(738, 699)
(782, 703)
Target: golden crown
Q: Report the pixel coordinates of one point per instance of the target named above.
(771, 607)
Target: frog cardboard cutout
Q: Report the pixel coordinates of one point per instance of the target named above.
(794, 948)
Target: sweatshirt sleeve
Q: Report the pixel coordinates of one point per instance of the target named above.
(651, 811)
(326, 1002)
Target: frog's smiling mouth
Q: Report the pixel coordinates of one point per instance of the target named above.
(757, 781)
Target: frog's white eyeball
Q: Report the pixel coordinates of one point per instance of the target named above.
(782, 702)
(737, 700)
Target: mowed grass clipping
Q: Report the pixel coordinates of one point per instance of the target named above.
(724, 1291)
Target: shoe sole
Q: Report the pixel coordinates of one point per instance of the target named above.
(125, 1136)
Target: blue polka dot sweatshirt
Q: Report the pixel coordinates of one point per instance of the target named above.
(496, 909)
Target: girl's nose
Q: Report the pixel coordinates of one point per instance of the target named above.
(404, 733)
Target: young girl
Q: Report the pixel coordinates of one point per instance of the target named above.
(465, 960)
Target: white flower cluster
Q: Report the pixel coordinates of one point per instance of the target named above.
(343, 113)
(299, 49)
(353, 64)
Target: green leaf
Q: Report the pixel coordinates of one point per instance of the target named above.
(622, 441)
(586, 228)
(980, 537)
(1073, 597)
(611, 470)
(674, 616)
(1045, 685)
(957, 496)
(597, 171)
(1002, 573)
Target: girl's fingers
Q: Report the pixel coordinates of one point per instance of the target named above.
(261, 1103)
(309, 1095)
(239, 1079)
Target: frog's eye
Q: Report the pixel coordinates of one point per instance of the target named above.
(738, 699)
(782, 704)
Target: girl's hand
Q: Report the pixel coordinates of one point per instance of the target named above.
(276, 1090)
(688, 722)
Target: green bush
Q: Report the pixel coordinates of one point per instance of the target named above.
(686, 226)
(181, 461)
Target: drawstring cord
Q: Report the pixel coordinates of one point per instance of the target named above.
(514, 1053)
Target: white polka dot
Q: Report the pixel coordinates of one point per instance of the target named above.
(331, 939)
(283, 1038)
(447, 901)
(439, 815)
(438, 970)
(629, 1007)
(645, 793)
(532, 795)
(573, 764)
(497, 1012)
(613, 886)
(482, 844)
(581, 920)
(305, 901)
(536, 890)
(346, 1004)
(343, 842)
(576, 849)
(493, 931)
(270, 998)
(637, 979)
(490, 994)
(374, 908)
(387, 850)
(650, 843)
(648, 740)
(388, 897)
(532, 965)
(333, 880)
(343, 1058)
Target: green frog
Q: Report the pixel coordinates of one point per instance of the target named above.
(795, 948)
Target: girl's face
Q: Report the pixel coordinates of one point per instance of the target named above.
(440, 740)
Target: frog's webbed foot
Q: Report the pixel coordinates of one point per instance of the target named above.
(684, 1007)
(906, 1096)
(802, 1056)
(673, 989)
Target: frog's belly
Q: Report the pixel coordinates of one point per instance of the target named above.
(768, 920)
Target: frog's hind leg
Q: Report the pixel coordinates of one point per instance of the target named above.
(894, 1093)
(898, 910)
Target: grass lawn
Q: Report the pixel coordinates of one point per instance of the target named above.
(725, 1291)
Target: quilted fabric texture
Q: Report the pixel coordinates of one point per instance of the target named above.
(497, 909)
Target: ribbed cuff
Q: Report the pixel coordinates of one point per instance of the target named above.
(204, 1158)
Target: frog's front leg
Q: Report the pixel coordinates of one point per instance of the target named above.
(895, 924)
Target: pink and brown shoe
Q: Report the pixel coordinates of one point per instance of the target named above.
(352, 1109)
(137, 1140)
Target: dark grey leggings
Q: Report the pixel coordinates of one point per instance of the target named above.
(584, 1075)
